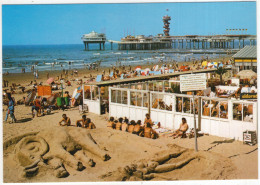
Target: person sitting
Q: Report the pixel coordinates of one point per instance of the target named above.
(182, 130)
(82, 122)
(89, 124)
(111, 123)
(65, 121)
(148, 120)
(119, 124)
(131, 126)
(36, 106)
(137, 128)
(149, 132)
(125, 125)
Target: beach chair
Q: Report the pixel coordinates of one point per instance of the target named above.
(111, 74)
(171, 71)
(99, 78)
(122, 76)
(157, 72)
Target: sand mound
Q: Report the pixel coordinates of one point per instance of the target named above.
(77, 154)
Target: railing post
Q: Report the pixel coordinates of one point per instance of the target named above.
(149, 102)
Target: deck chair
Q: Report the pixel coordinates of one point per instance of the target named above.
(111, 74)
(122, 76)
(171, 71)
(157, 72)
(99, 78)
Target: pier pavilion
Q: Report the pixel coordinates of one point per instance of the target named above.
(94, 38)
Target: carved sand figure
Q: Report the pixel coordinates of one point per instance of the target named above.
(57, 146)
(151, 169)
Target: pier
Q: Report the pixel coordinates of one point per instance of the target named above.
(94, 38)
(184, 42)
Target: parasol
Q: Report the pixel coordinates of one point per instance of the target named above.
(50, 80)
(246, 74)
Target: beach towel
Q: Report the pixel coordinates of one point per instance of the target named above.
(99, 78)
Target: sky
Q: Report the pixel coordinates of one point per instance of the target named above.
(65, 24)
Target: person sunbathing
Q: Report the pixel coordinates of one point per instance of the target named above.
(82, 122)
(118, 125)
(125, 125)
(131, 126)
(111, 123)
(149, 132)
(183, 128)
(147, 120)
(65, 121)
(89, 124)
(137, 128)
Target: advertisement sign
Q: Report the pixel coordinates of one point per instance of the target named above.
(244, 96)
(193, 82)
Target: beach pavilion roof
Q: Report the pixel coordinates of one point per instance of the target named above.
(248, 52)
(148, 78)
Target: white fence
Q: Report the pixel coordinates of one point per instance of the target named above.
(219, 116)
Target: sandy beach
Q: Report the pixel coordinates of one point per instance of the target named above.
(218, 158)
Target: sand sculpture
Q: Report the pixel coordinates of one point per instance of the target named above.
(148, 170)
(52, 148)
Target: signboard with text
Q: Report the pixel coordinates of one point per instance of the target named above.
(193, 82)
(245, 96)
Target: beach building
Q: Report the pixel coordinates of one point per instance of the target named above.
(94, 38)
(245, 59)
(157, 95)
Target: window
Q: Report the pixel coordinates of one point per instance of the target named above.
(237, 111)
(243, 111)
(186, 105)
(196, 106)
(206, 107)
(150, 86)
(155, 101)
(139, 99)
(178, 104)
(133, 99)
(113, 96)
(95, 93)
(160, 86)
(124, 97)
(87, 92)
(223, 108)
(119, 96)
(214, 109)
(166, 86)
(145, 99)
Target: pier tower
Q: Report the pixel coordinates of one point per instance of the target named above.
(94, 38)
(166, 23)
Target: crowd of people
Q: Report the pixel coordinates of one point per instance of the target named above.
(134, 127)
(83, 123)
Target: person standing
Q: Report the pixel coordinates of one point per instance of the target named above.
(10, 109)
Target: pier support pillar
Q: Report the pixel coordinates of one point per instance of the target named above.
(182, 43)
(111, 45)
(243, 42)
(239, 43)
(233, 43)
(190, 43)
(103, 46)
(99, 46)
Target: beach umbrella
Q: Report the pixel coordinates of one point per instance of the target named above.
(50, 80)
(155, 68)
(205, 63)
(138, 68)
(246, 74)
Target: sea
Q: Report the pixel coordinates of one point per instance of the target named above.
(73, 56)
